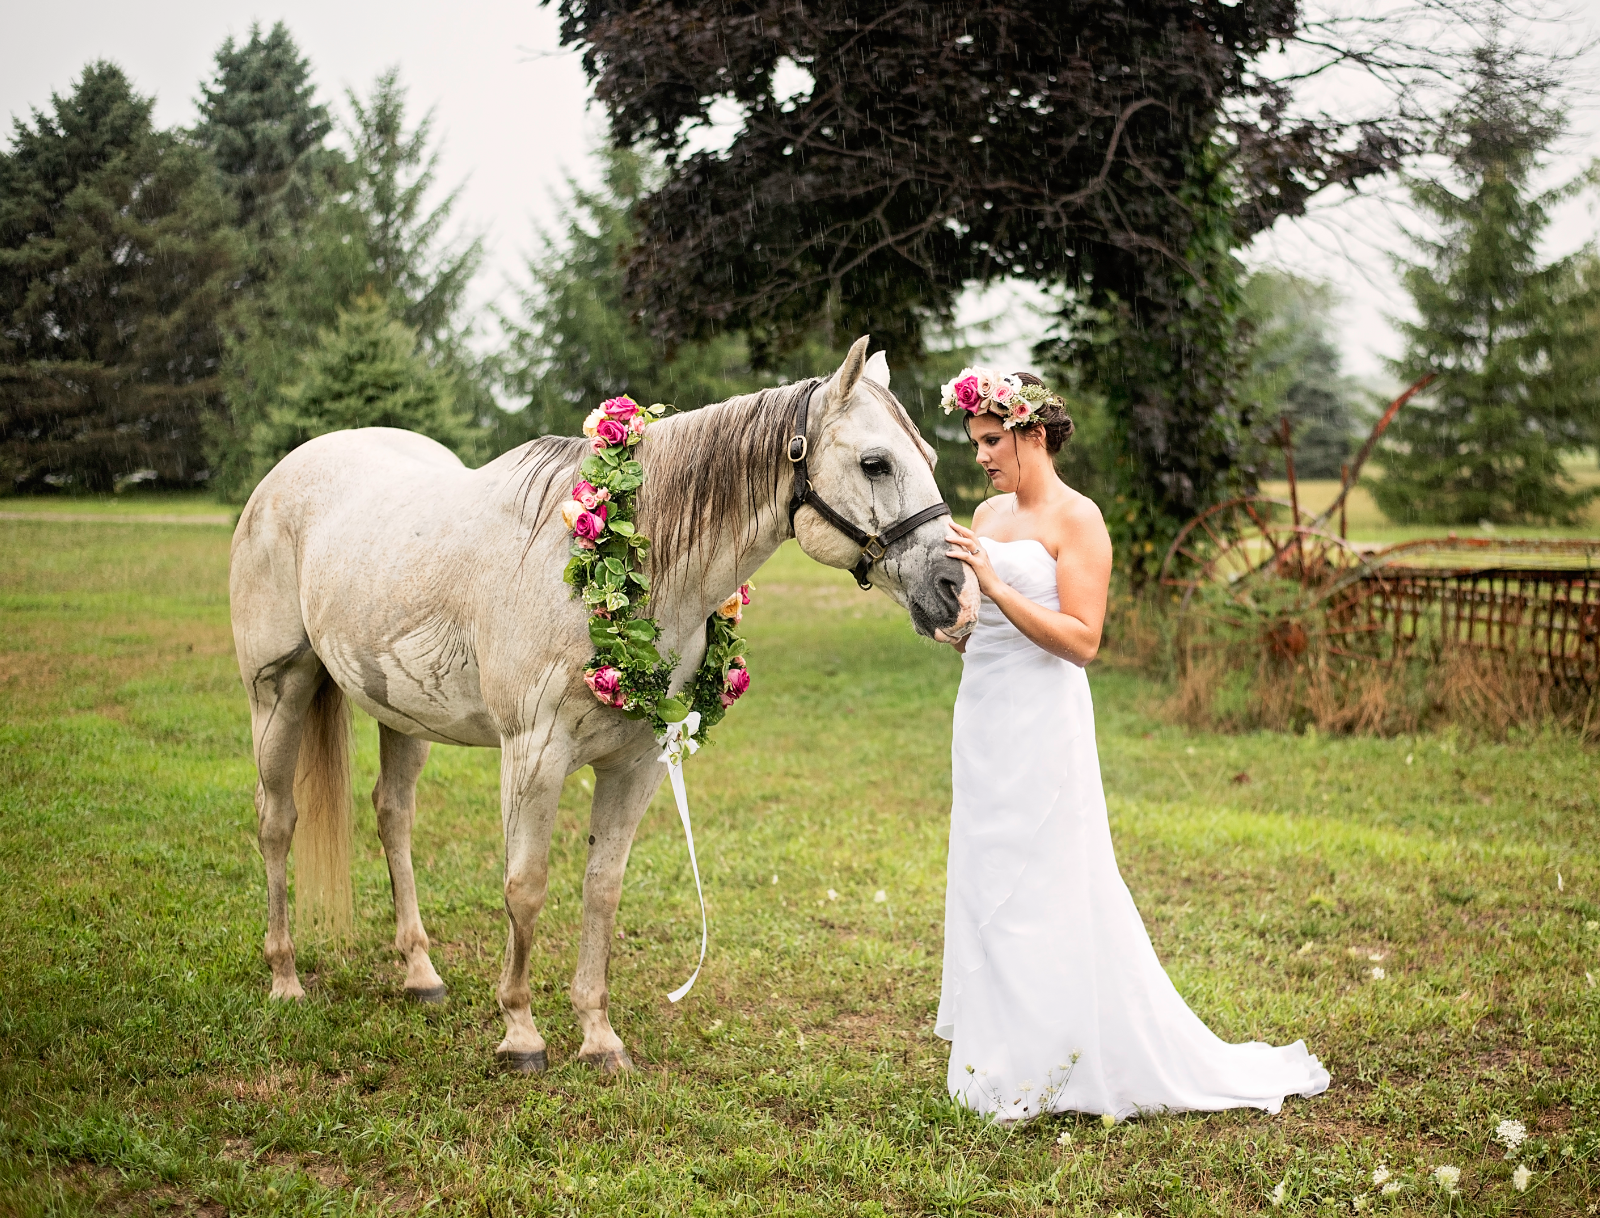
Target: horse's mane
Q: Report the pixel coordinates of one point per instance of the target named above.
(712, 469)
(706, 470)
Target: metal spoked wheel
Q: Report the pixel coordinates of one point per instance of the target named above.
(1256, 572)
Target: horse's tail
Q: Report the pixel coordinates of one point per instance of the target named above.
(323, 901)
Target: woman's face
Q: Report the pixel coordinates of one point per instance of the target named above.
(997, 451)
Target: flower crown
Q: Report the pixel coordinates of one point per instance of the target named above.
(976, 390)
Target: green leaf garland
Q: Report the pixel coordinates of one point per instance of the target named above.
(606, 569)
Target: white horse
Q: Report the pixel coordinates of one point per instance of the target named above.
(373, 566)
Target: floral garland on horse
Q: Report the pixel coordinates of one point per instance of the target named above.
(606, 570)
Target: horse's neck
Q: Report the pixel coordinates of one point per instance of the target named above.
(749, 527)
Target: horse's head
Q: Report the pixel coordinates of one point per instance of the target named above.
(868, 464)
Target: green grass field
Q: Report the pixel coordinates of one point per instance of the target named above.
(142, 1070)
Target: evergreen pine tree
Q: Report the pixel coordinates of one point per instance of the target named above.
(260, 120)
(1512, 340)
(1294, 371)
(365, 371)
(117, 256)
(575, 344)
(424, 277)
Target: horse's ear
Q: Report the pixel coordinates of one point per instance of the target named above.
(849, 374)
(877, 369)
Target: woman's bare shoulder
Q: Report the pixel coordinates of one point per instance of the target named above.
(1079, 523)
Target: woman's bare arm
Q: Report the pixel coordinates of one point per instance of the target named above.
(1083, 577)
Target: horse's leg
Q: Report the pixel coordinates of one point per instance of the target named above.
(394, 799)
(531, 774)
(621, 795)
(279, 697)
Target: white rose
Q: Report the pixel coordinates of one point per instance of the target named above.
(570, 511)
(986, 381)
(593, 421)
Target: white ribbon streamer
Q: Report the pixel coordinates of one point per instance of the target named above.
(679, 737)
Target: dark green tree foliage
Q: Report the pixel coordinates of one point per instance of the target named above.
(260, 121)
(424, 277)
(1293, 370)
(574, 343)
(369, 229)
(1121, 151)
(1513, 340)
(116, 260)
(366, 371)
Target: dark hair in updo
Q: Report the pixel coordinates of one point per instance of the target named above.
(1057, 422)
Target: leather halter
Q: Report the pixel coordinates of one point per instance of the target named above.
(873, 545)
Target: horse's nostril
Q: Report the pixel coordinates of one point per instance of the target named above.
(950, 590)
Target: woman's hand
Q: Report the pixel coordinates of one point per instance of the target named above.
(966, 547)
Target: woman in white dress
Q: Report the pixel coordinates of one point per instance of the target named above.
(1053, 998)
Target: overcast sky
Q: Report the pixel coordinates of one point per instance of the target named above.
(513, 112)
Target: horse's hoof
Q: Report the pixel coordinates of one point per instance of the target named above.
(287, 993)
(514, 1061)
(613, 1061)
(433, 996)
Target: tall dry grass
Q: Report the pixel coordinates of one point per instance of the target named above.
(1240, 688)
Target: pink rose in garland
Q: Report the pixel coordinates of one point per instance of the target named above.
(606, 682)
(967, 395)
(609, 432)
(621, 409)
(736, 683)
(589, 525)
(589, 496)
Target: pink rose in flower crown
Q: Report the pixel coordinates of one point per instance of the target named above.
(736, 684)
(1002, 392)
(1020, 411)
(589, 525)
(967, 395)
(609, 431)
(637, 424)
(621, 409)
(589, 495)
(606, 682)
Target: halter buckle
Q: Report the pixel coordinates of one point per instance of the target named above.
(798, 448)
(874, 549)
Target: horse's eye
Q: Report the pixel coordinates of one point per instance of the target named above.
(874, 465)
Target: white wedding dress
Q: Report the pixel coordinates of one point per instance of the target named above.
(1053, 998)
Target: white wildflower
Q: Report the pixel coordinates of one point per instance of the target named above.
(1108, 1120)
(1591, 926)
(1378, 974)
(1358, 1202)
(879, 897)
(1380, 1173)
(1512, 1134)
(1410, 758)
(1447, 1177)
(1065, 1139)
(1277, 1194)
(1026, 1086)
(774, 877)
(832, 895)
(1520, 1178)
(1391, 1188)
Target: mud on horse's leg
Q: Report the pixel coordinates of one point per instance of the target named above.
(531, 773)
(394, 799)
(622, 793)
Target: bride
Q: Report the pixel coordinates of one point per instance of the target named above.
(1053, 999)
